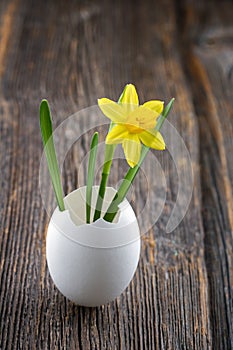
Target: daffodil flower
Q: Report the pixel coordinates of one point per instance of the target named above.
(133, 123)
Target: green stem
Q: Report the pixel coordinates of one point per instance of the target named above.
(91, 174)
(49, 149)
(132, 172)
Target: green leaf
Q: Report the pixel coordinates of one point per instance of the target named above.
(109, 152)
(91, 174)
(47, 138)
(164, 114)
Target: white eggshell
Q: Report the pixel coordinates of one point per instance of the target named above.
(92, 264)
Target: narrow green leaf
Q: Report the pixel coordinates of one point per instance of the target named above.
(164, 114)
(47, 138)
(132, 172)
(109, 152)
(91, 174)
(124, 188)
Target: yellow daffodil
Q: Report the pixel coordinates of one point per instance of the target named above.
(133, 123)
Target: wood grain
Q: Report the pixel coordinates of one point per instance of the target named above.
(73, 53)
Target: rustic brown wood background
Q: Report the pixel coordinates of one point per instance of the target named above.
(72, 52)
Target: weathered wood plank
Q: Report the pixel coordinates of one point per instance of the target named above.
(72, 53)
(209, 60)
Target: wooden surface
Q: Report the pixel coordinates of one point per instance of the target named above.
(72, 52)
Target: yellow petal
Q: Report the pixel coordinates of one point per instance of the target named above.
(152, 139)
(112, 110)
(155, 105)
(117, 134)
(129, 95)
(129, 98)
(132, 150)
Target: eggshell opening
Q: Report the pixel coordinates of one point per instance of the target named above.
(99, 234)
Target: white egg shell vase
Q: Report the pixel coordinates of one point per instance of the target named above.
(92, 264)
